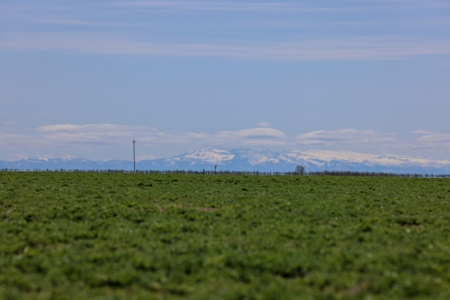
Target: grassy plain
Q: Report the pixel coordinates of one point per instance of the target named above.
(130, 236)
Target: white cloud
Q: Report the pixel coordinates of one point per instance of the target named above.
(8, 139)
(253, 136)
(89, 134)
(11, 123)
(121, 134)
(350, 48)
(433, 140)
(92, 136)
(96, 129)
(345, 137)
(428, 143)
(253, 133)
(263, 124)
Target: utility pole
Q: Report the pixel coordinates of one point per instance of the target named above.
(134, 155)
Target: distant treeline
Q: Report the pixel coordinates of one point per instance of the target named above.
(378, 174)
(256, 173)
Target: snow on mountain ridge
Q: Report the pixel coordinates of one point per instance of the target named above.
(249, 159)
(210, 155)
(354, 157)
(221, 156)
(313, 157)
(238, 159)
(257, 157)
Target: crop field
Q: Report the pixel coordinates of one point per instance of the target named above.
(137, 236)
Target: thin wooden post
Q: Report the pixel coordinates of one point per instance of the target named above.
(134, 156)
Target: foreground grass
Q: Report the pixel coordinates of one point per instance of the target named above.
(106, 236)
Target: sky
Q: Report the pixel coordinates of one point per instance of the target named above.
(84, 78)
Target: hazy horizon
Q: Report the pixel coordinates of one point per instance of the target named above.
(329, 155)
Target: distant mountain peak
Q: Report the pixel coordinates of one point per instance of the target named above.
(241, 159)
(212, 155)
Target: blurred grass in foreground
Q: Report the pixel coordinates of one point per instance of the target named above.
(114, 236)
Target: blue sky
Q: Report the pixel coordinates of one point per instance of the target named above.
(84, 78)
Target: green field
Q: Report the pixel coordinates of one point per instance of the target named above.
(130, 236)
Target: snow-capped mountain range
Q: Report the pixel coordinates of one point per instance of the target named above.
(250, 160)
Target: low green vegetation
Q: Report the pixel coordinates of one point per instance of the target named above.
(130, 236)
